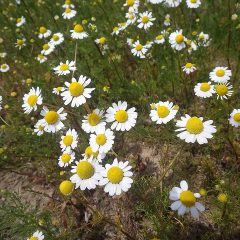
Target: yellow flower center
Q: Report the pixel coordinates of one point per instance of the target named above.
(221, 89)
(76, 89)
(145, 19)
(40, 56)
(51, 117)
(85, 170)
(67, 140)
(32, 100)
(42, 30)
(64, 67)
(19, 20)
(46, 46)
(179, 38)
(40, 128)
(102, 40)
(4, 66)
(68, 10)
(20, 42)
(78, 28)
(33, 238)
(187, 198)
(188, 65)
(130, 2)
(115, 29)
(66, 157)
(68, 2)
(66, 187)
(236, 117)
(193, 1)
(159, 37)
(115, 175)
(121, 116)
(194, 125)
(93, 119)
(162, 111)
(139, 47)
(205, 87)
(220, 72)
(101, 139)
(89, 152)
(59, 89)
(55, 37)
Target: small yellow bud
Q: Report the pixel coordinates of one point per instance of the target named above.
(13, 94)
(203, 192)
(66, 187)
(222, 198)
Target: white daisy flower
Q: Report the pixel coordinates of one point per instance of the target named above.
(93, 121)
(3, 54)
(121, 118)
(116, 177)
(176, 39)
(52, 120)
(102, 140)
(163, 112)
(220, 74)
(44, 32)
(69, 13)
(193, 3)
(132, 4)
(185, 201)
(203, 39)
(156, 1)
(68, 4)
(66, 158)
(39, 128)
(58, 90)
(31, 100)
(65, 68)
(41, 58)
(89, 153)
(131, 16)
(87, 174)
(47, 48)
(223, 90)
(4, 68)
(138, 49)
(234, 119)
(20, 21)
(69, 141)
(193, 46)
(57, 38)
(173, 3)
(146, 20)
(78, 32)
(37, 236)
(116, 31)
(77, 91)
(167, 20)
(204, 90)
(189, 68)
(194, 129)
(20, 43)
(102, 43)
(159, 39)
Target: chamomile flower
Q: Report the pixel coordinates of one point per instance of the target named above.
(57, 38)
(121, 118)
(65, 68)
(44, 32)
(37, 236)
(203, 39)
(4, 68)
(20, 43)
(102, 43)
(146, 20)
(177, 40)
(87, 174)
(234, 119)
(173, 3)
(89, 153)
(41, 58)
(47, 48)
(116, 177)
(58, 90)
(223, 90)
(163, 112)
(132, 4)
(77, 92)
(189, 68)
(20, 21)
(69, 141)
(52, 120)
(66, 158)
(138, 49)
(102, 140)
(131, 16)
(68, 4)
(78, 32)
(39, 128)
(185, 201)
(204, 90)
(167, 20)
(155, 1)
(194, 129)
(93, 121)
(193, 3)
(31, 100)
(69, 13)
(159, 39)
(220, 74)
(116, 31)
